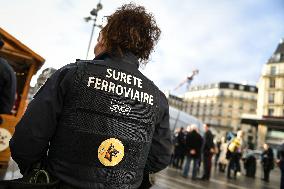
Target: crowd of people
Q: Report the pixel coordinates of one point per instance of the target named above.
(230, 151)
(191, 146)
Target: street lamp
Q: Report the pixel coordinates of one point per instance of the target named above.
(93, 17)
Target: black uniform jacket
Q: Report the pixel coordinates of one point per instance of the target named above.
(267, 159)
(208, 142)
(7, 87)
(194, 142)
(40, 133)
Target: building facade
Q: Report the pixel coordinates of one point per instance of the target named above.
(270, 106)
(221, 104)
(45, 74)
(175, 101)
(271, 85)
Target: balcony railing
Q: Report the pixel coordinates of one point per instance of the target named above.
(274, 73)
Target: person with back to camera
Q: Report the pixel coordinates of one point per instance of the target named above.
(7, 85)
(193, 147)
(280, 162)
(234, 154)
(208, 151)
(267, 161)
(100, 123)
(179, 149)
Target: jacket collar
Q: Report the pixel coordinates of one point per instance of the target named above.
(128, 58)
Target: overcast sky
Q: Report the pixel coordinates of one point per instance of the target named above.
(226, 40)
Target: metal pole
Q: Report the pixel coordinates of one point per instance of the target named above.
(93, 13)
(176, 120)
(92, 33)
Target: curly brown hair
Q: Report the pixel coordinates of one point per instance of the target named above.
(131, 29)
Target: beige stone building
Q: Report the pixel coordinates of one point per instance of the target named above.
(269, 119)
(175, 101)
(271, 85)
(221, 104)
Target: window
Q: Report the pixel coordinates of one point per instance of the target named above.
(218, 122)
(281, 56)
(273, 70)
(241, 106)
(228, 123)
(252, 108)
(271, 98)
(241, 87)
(252, 89)
(229, 114)
(270, 112)
(277, 57)
(209, 112)
(271, 83)
(196, 111)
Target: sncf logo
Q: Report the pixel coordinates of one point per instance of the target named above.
(119, 107)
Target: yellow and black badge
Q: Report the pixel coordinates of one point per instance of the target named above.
(111, 152)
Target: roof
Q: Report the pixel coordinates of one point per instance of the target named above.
(18, 52)
(226, 85)
(278, 55)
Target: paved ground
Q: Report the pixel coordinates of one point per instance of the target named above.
(171, 179)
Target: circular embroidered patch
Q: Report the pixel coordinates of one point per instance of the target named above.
(111, 152)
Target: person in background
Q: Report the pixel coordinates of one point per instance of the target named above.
(7, 85)
(250, 161)
(267, 161)
(222, 161)
(180, 149)
(193, 149)
(234, 154)
(174, 145)
(217, 153)
(280, 162)
(208, 151)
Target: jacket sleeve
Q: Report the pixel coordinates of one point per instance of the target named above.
(160, 151)
(208, 140)
(30, 141)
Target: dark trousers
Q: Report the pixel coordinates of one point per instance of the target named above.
(187, 166)
(207, 164)
(266, 172)
(178, 161)
(281, 166)
(234, 164)
(250, 166)
(282, 180)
